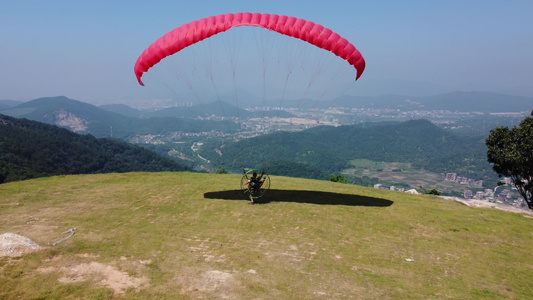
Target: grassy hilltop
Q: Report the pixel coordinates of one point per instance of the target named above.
(191, 235)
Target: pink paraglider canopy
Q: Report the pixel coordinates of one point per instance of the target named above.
(191, 33)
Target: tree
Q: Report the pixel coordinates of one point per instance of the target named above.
(338, 178)
(432, 192)
(510, 150)
(221, 171)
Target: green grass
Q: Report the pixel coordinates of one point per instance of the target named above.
(192, 235)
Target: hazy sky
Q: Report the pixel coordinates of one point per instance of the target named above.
(86, 50)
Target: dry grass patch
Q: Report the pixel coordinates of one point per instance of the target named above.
(101, 274)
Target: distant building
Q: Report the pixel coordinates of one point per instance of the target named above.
(468, 194)
(489, 194)
(381, 187)
(396, 189)
(390, 188)
(451, 176)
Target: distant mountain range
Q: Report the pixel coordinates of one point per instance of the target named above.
(5, 104)
(85, 118)
(122, 121)
(484, 102)
(217, 109)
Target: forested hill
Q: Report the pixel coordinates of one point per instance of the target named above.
(331, 148)
(30, 149)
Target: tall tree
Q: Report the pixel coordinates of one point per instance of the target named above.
(510, 150)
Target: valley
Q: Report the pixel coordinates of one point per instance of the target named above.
(405, 142)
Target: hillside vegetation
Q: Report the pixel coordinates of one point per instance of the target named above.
(191, 235)
(330, 149)
(30, 149)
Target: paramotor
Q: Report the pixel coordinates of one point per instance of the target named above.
(255, 186)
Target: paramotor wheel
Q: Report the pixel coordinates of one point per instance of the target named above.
(259, 190)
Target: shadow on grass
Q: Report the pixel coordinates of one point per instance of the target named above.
(313, 197)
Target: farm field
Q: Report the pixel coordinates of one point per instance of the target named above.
(396, 173)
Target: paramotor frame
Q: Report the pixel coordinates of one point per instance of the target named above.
(255, 191)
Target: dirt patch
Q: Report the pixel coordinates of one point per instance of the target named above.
(221, 283)
(14, 245)
(87, 255)
(104, 275)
